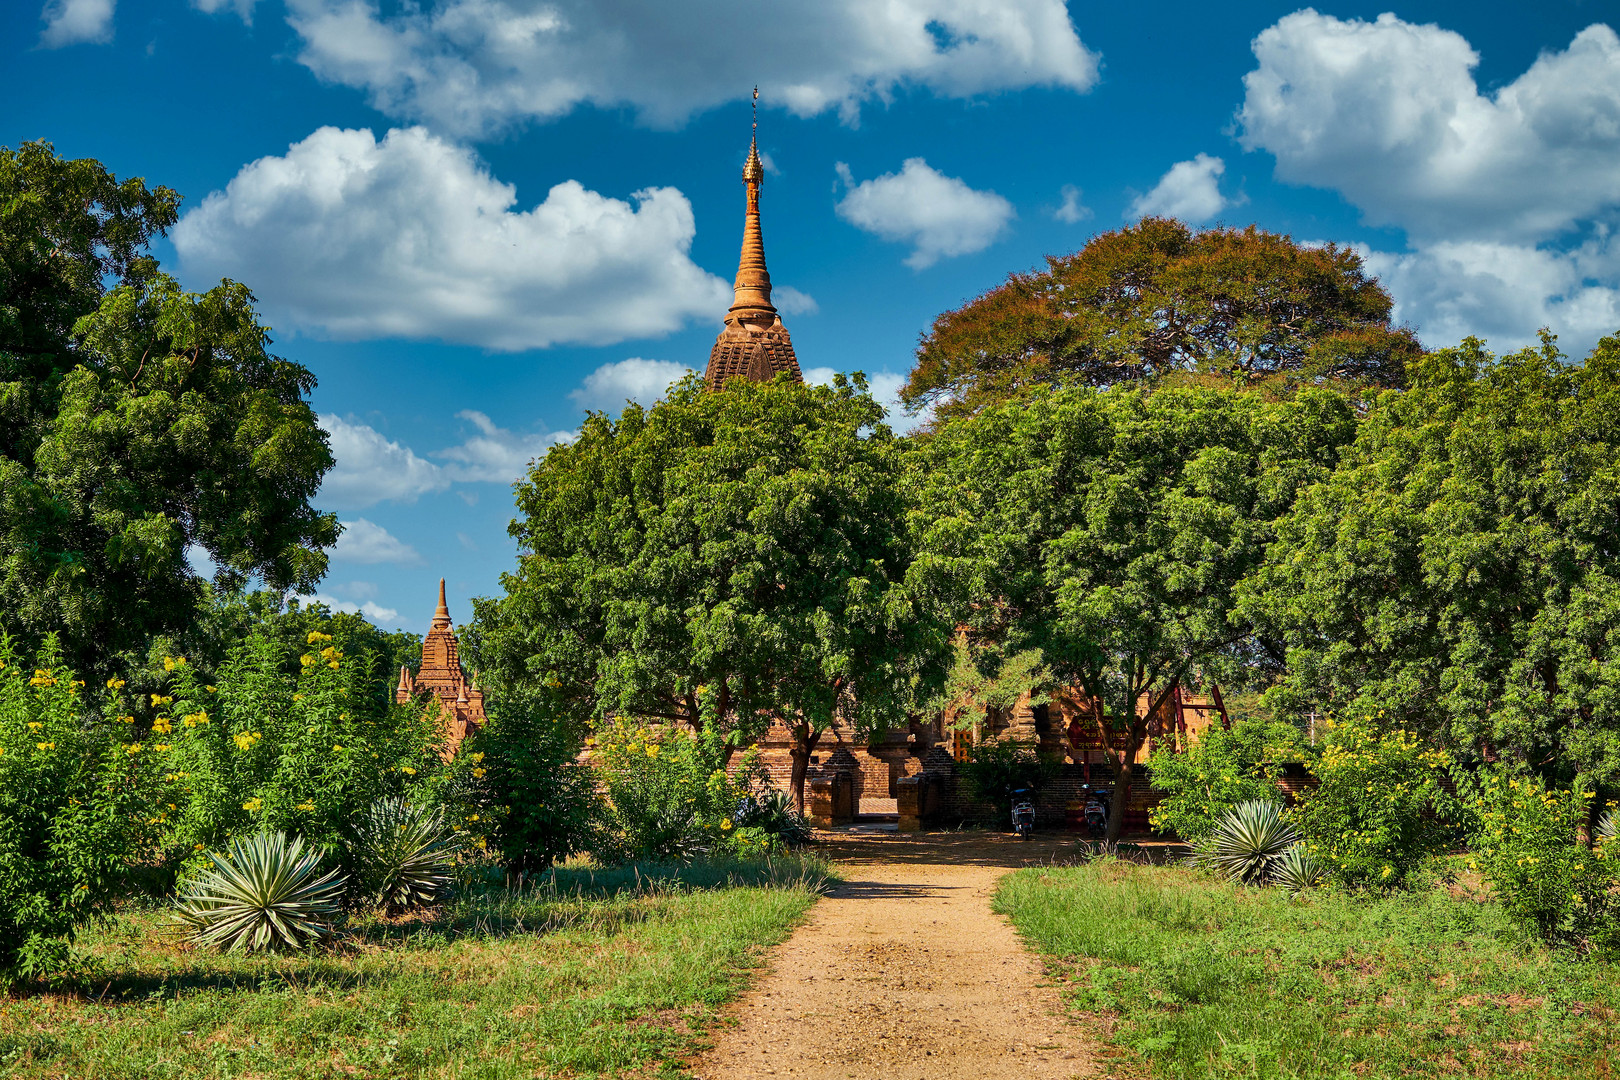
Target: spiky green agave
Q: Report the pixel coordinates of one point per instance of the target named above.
(1607, 827)
(403, 855)
(1296, 870)
(1249, 839)
(266, 893)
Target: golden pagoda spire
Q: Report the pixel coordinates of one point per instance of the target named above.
(752, 300)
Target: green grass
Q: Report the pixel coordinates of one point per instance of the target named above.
(579, 973)
(1181, 976)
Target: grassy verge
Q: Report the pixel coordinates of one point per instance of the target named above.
(1184, 977)
(579, 973)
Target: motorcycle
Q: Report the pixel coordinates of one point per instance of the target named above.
(1095, 813)
(1023, 812)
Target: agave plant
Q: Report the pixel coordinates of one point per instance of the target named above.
(775, 813)
(1249, 839)
(403, 855)
(266, 893)
(1297, 870)
(1607, 827)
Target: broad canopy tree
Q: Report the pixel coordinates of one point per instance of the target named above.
(1158, 300)
(1458, 572)
(722, 559)
(136, 420)
(1107, 530)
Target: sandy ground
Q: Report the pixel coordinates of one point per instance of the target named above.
(904, 973)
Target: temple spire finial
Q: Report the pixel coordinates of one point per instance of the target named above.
(441, 614)
(752, 290)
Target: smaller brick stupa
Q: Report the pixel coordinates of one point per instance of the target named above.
(460, 700)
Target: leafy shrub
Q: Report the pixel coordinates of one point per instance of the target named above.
(998, 767)
(1526, 844)
(516, 787)
(772, 813)
(1372, 819)
(666, 792)
(75, 809)
(402, 854)
(266, 893)
(305, 754)
(1248, 840)
(1223, 768)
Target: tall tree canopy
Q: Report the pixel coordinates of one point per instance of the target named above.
(1108, 529)
(136, 420)
(1157, 299)
(725, 559)
(1459, 569)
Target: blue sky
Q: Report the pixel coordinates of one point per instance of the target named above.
(474, 219)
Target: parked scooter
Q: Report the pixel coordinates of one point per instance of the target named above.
(1023, 812)
(1096, 812)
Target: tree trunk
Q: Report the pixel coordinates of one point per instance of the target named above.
(804, 743)
(1121, 796)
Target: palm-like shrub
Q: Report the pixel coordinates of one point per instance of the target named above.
(773, 813)
(266, 893)
(1249, 839)
(403, 855)
(1296, 870)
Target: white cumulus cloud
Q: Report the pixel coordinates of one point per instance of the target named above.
(69, 22)
(412, 237)
(643, 381)
(939, 216)
(1071, 211)
(496, 455)
(242, 8)
(1389, 114)
(372, 468)
(1507, 197)
(384, 617)
(471, 67)
(367, 542)
(1190, 191)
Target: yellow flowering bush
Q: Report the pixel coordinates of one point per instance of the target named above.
(74, 808)
(1372, 817)
(1219, 771)
(666, 791)
(1526, 843)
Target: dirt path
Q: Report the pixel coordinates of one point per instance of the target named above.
(904, 973)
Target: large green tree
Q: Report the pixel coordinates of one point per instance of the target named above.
(1458, 572)
(722, 559)
(1107, 530)
(137, 420)
(1160, 300)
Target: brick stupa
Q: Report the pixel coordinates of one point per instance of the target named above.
(754, 344)
(460, 700)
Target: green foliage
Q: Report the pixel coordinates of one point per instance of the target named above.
(1224, 767)
(1525, 843)
(666, 792)
(402, 854)
(1373, 816)
(1458, 568)
(720, 559)
(772, 814)
(997, 766)
(1249, 841)
(73, 809)
(516, 787)
(136, 420)
(1107, 531)
(1183, 977)
(266, 893)
(1158, 300)
(305, 754)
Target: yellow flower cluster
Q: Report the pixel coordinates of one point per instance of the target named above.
(41, 678)
(172, 662)
(246, 740)
(196, 719)
(253, 804)
(115, 683)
